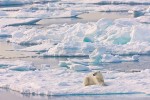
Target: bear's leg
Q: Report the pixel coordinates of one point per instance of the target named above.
(86, 81)
(99, 81)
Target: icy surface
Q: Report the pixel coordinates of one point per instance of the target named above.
(14, 22)
(2, 13)
(62, 81)
(144, 19)
(16, 65)
(105, 41)
(78, 67)
(108, 1)
(125, 36)
(117, 36)
(38, 48)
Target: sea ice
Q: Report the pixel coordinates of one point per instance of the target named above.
(78, 67)
(62, 81)
(123, 36)
(14, 22)
(38, 48)
(103, 41)
(64, 63)
(119, 37)
(140, 33)
(17, 65)
(2, 13)
(144, 19)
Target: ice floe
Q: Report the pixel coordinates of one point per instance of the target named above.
(17, 65)
(109, 1)
(16, 22)
(62, 81)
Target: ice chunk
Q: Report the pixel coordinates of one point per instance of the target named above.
(118, 35)
(110, 58)
(22, 68)
(4, 34)
(87, 39)
(64, 63)
(135, 57)
(144, 19)
(88, 48)
(79, 61)
(140, 33)
(15, 22)
(2, 13)
(78, 67)
(68, 49)
(96, 55)
(95, 67)
(38, 48)
(45, 67)
(18, 65)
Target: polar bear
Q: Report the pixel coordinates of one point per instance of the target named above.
(94, 78)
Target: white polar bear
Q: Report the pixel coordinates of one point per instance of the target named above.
(94, 78)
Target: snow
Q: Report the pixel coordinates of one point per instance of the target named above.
(110, 58)
(124, 36)
(78, 67)
(144, 19)
(140, 33)
(44, 67)
(62, 81)
(63, 63)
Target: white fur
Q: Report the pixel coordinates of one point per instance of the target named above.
(94, 78)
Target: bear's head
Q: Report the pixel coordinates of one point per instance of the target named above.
(97, 73)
